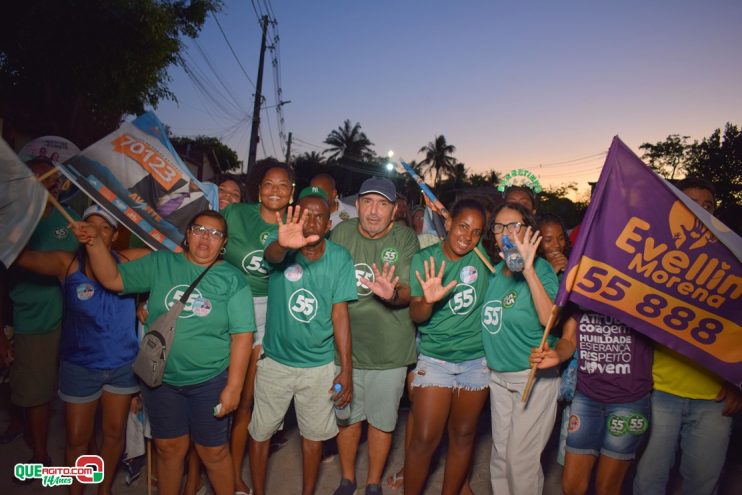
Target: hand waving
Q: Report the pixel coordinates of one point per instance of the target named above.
(384, 282)
(432, 286)
(291, 233)
(529, 247)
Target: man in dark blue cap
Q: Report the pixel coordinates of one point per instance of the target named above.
(382, 333)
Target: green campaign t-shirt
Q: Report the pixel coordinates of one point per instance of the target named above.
(383, 337)
(37, 299)
(244, 249)
(510, 325)
(453, 331)
(220, 305)
(298, 328)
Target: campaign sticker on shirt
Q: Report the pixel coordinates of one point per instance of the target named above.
(85, 291)
(201, 306)
(509, 300)
(263, 236)
(293, 273)
(389, 255)
(468, 274)
(61, 233)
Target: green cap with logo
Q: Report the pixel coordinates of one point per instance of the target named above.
(312, 191)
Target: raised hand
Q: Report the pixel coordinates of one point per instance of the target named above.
(557, 261)
(85, 232)
(432, 286)
(384, 282)
(529, 247)
(291, 233)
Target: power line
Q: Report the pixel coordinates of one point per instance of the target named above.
(224, 35)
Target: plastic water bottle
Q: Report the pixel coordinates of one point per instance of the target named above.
(513, 258)
(341, 413)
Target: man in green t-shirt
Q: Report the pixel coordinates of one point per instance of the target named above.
(381, 329)
(310, 283)
(37, 317)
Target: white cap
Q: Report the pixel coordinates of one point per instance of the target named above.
(97, 210)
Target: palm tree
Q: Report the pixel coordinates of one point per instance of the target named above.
(348, 142)
(438, 158)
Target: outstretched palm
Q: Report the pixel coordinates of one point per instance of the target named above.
(529, 247)
(384, 282)
(291, 233)
(432, 286)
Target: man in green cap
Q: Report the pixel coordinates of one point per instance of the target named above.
(310, 283)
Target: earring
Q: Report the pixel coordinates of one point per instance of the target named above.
(224, 250)
(259, 200)
(291, 200)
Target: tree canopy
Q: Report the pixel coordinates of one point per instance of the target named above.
(717, 158)
(439, 159)
(226, 157)
(348, 141)
(76, 68)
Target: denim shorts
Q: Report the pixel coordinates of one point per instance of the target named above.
(614, 430)
(80, 385)
(468, 375)
(188, 410)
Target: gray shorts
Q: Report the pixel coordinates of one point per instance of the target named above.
(276, 384)
(376, 395)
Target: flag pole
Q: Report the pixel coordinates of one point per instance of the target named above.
(532, 376)
(50, 197)
(48, 174)
(442, 209)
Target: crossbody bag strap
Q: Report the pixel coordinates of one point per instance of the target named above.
(187, 294)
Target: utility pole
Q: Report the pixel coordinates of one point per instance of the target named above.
(288, 149)
(258, 100)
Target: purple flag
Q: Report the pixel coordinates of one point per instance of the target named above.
(651, 257)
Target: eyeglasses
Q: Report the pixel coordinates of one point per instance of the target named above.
(209, 232)
(512, 227)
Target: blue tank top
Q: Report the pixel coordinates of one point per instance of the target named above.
(98, 326)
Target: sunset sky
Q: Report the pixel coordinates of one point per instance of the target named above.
(539, 85)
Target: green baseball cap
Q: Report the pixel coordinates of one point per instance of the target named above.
(313, 191)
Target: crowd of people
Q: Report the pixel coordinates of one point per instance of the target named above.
(301, 297)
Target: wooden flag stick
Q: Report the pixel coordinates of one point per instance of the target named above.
(60, 208)
(48, 174)
(532, 377)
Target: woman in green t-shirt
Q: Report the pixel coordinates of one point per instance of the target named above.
(207, 361)
(517, 307)
(451, 379)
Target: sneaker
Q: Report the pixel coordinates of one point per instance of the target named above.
(374, 490)
(346, 487)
